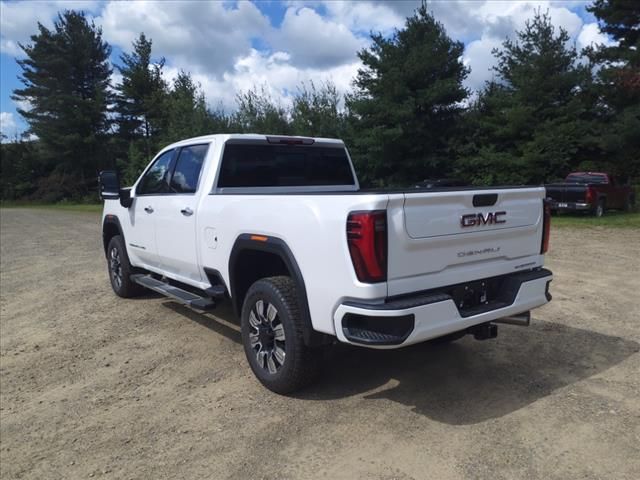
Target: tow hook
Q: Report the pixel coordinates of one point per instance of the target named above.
(484, 331)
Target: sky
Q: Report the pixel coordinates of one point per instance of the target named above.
(230, 46)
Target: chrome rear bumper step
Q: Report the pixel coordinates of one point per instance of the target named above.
(178, 294)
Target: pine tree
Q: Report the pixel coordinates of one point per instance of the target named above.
(186, 110)
(258, 113)
(66, 76)
(407, 102)
(532, 123)
(141, 96)
(618, 84)
(316, 111)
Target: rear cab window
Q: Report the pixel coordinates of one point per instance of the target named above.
(176, 171)
(186, 173)
(587, 178)
(260, 165)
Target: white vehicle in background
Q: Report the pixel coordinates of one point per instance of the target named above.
(281, 227)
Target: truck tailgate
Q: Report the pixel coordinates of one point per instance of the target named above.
(441, 238)
(566, 192)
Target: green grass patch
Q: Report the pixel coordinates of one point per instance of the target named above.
(610, 219)
(67, 206)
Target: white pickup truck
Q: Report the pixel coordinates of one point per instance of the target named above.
(280, 226)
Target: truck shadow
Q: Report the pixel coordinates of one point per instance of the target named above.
(469, 381)
(462, 383)
(229, 329)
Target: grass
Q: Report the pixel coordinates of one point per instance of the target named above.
(66, 206)
(610, 219)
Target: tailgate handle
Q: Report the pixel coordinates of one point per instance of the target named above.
(485, 199)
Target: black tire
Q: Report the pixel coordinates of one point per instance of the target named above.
(600, 209)
(273, 342)
(452, 337)
(120, 269)
(629, 203)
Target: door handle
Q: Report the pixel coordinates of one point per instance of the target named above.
(187, 212)
(148, 209)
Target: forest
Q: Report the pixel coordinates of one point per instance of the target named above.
(549, 109)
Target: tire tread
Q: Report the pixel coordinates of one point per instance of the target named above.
(307, 361)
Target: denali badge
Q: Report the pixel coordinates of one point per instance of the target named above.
(468, 253)
(478, 219)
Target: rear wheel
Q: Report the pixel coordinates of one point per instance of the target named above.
(120, 269)
(272, 336)
(599, 210)
(629, 203)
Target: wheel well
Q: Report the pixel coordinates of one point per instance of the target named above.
(109, 230)
(249, 267)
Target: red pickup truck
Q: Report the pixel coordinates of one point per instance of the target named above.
(593, 192)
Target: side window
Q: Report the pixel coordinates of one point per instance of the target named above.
(188, 166)
(156, 179)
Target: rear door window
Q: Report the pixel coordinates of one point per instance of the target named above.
(188, 167)
(263, 165)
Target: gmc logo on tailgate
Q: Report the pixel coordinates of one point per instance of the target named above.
(479, 219)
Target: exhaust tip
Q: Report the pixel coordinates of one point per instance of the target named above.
(520, 320)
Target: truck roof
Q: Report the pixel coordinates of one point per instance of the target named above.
(223, 137)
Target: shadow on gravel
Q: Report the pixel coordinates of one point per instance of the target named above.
(462, 383)
(223, 311)
(469, 381)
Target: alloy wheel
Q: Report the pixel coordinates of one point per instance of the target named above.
(267, 336)
(115, 266)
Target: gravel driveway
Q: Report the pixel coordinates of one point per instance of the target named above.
(96, 386)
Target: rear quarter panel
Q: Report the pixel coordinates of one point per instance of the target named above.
(312, 226)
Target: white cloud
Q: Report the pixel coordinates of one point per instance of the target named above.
(364, 17)
(231, 46)
(482, 25)
(272, 71)
(8, 126)
(312, 40)
(18, 20)
(493, 22)
(590, 35)
(208, 36)
(478, 57)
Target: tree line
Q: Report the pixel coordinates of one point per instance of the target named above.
(549, 108)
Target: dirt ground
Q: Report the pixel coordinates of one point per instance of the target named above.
(96, 386)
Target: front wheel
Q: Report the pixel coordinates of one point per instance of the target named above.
(120, 269)
(272, 336)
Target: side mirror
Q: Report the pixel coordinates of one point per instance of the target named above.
(109, 188)
(108, 185)
(125, 197)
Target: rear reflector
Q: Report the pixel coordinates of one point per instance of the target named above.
(546, 226)
(367, 239)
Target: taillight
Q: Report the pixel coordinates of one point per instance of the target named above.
(546, 227)
(588, 198)
(367, 238)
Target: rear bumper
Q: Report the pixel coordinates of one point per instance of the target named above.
(570, 206)
(421, 317)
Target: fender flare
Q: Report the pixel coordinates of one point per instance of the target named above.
(280, 248)
(110, 220)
